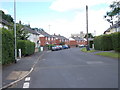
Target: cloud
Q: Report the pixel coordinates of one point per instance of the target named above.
(67, 5)
(66, 27)
(26, 0)
(4, 10)
(96, 21)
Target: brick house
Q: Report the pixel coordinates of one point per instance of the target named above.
(44, 38)
(60, 39)
(72, 42)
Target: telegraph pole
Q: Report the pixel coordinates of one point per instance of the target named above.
(49, 28)
(87, 28)
(15, 30)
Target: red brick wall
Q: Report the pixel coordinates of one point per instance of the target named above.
(72, 43)
(57, 41)
(83, 42)
(43, 41)
(67, 42)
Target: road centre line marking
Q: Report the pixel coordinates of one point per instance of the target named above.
(26, 85)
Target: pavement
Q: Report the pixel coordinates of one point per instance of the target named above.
(15, 72)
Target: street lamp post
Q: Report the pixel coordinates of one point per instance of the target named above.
(15, 30)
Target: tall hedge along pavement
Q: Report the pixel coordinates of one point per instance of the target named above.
(27, 47)
(116, 41)
(103, 42)
(7, 46)
(108, 42)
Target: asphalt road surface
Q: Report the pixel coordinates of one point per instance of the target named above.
(71, 68)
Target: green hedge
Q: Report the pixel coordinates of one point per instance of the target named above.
(49, 46)
(108, 42)
(27, 47)
(97, 43)
(7, 46)
(116, 41)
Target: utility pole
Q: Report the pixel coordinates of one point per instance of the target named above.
(49, 28)
(15, 30)
(87, 28)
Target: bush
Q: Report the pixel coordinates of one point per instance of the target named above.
(106, 43)
(116, 41)
(50, 46)
(27, 47)
(7, 46)
(103, 42)
(97, 43)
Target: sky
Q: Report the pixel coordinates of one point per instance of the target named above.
(65, 17)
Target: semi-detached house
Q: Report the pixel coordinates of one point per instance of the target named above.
(113, 29)
(46, 38)
(33, 36)
(4, 24)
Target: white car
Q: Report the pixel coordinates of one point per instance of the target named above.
(80, 46)
(54, 48)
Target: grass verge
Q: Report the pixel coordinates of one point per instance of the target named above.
(84, 50)
(109, 54)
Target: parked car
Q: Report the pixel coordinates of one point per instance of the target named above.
(80, 46)
(57, 47)
(54, 48)
(68, 46)
(65, 46)
(60, 47)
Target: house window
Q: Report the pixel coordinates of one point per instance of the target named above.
(48, 38)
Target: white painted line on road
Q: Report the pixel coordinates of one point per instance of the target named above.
(27, 79)
(26, 85)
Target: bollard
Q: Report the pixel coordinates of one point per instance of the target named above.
(41, 48)
(19, 53)
(92, 46)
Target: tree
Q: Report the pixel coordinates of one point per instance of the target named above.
(89, 35)
(114, 12)
(21, 33)
(6, 17)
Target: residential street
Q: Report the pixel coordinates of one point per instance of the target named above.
(72, 68)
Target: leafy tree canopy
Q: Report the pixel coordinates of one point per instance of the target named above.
(115, 10)
(21, 33)
(6, 17)
(89, 35)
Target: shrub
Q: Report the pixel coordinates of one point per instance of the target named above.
(27, 47)
(50, 46)
(7, 46)
(106, 43)
(97, 43)
(103, 42)
(116, 41)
